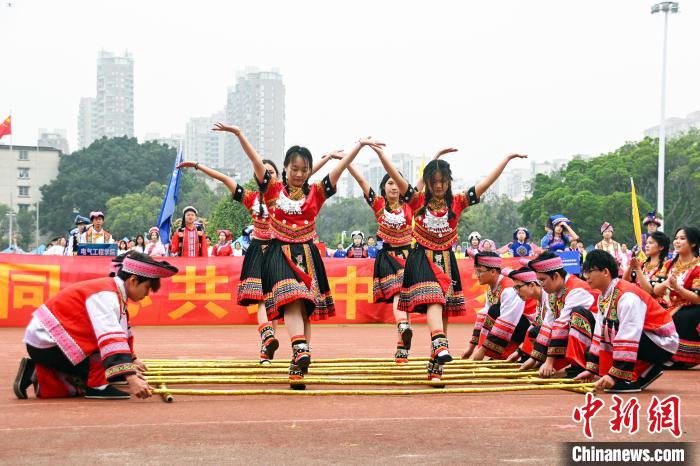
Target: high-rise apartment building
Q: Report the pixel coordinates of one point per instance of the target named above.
(256, 105)
(111, 112)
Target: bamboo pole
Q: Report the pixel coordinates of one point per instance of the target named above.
(389, 392)
(229, 364)
(421, 377)
(313, 371)
(381, 382)
(338, 360)
(167, 396)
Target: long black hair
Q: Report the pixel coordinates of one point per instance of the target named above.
(693, 236)
(442, 167)
(382, 191)
(263, 186)
(292, 153)
(664, 243)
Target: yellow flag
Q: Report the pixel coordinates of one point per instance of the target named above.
(637, 223)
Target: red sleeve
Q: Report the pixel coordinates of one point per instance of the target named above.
(214, 251)
(459, 203)
(374, 201)
(249, 199)
(322, 191)
(273, 190)
(417, 201)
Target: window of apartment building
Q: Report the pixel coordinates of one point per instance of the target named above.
(23, 207)
(23, 173)
(24, 155)
(24, 191)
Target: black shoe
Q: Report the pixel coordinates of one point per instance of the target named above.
(271, 347)
(624, 386)
(444, 358)
(296, 377)
(107, 393)
(24, 378)
(407, 337)
(652, 374)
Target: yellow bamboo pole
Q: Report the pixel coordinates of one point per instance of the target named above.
(313, 371)
(167, 396)
(388, 392)
(338, 360)
(321, 381)
(392, 366)
(451, 376)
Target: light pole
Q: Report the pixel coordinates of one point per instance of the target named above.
(342, 238)
(665, 8)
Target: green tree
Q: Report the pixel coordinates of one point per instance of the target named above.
(88, 178)
(345, 215)
(593, 191)
(26, 229)
(229, 215)
(195, 192)
(134, 213)
(495, 218)
(4, 225)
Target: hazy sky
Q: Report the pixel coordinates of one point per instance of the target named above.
(549, 79)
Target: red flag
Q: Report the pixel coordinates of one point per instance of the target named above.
(6, 126)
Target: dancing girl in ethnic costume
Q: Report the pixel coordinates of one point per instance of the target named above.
(250, 284)
(394, 217)
(431, 282)
(294, 282)
(681, 290)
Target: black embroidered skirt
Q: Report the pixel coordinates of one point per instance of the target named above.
(295, 271)
(422, 285)
(250, 286)
(388, 272)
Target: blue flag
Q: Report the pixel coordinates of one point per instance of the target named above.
(170, 200)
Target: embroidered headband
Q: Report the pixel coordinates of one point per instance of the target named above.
(546, 265)
(523, 275)
(148, 269)
(493, 262)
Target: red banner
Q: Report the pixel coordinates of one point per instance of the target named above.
(203, 292)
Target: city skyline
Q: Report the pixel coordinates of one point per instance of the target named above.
(487, 79)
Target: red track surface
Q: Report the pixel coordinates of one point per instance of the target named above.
(525, 427)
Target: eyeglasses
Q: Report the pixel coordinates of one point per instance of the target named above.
(480, 271)
(517, 287)
(587, 273)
